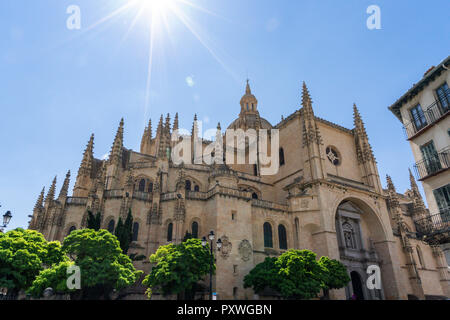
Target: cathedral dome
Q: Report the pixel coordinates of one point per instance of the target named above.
(249, 115)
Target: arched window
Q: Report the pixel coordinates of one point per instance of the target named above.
(282, 237)
(196, 188)
(111, 226)
(142, 185)
(255, 170)
(194, 229)
(72, 228)
(150, 187)
(268, 235)
(169, 232)
(188, 185)
(254, 195)
(419, 254)
(135, 231)
(281, 154)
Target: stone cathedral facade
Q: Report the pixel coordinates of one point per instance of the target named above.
(327, 196)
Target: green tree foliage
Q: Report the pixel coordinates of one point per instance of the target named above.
(102, 264)
(124, 232)
(187, 236)
(55, 277)
(336, 275)
(178, 268)
(94, 221)
(23, 254)
(296, 274)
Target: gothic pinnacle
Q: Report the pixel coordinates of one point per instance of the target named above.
(51, 192)
(306, 98)
(149, 128)
(65, 187)
(175, 123)
(357, 120)
(160, 126)
(167, 124)
(412, 181)
(116, 150)
(194, 126)
(88, 155)
(390, 184)
(40, 199)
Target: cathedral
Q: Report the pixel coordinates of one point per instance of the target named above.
(326, 196)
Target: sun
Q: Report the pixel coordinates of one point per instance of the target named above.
(155, 7)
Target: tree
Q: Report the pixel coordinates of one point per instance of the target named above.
(187, 236)
(296, 274)
(178, 268)
(336, 275)
(55, 278)
(23, 254)
(124, 232)
(94, 222)
(102, 264)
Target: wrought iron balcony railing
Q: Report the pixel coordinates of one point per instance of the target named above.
(433, 164)
(432, 114)
(435, 229)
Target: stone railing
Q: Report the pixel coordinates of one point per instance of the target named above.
(144, 196)
(116, 193)
(269, 205)
(168, 196)
(142, 165)
(195, 195)
(77, 201)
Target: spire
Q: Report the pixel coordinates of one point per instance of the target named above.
(195, 126)
(167, 124)
(146, 137)
(357, 120)
(393, 196)
(175, 123)
(51, 192)
(306, 98)
(390, 184)
(160, 126)
(363, 148)
(413, 183)
(219, 128)
(65, 187)
(149, 128)
(247, 88)
(88, 155)
(116, 150)
(40, 199)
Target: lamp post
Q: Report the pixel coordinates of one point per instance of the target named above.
(211, 262)
(6, 219)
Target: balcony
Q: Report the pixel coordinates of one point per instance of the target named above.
(433, 165)
(434, 113)
(434, 229)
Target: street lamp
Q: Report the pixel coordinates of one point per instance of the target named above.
(218, 245)
(6, 219)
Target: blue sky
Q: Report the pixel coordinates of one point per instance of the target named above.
(57, 86)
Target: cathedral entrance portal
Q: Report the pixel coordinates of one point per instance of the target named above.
(356, 231)
(357, 285)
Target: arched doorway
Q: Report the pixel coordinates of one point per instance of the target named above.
(357, 230)
(357, 285)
